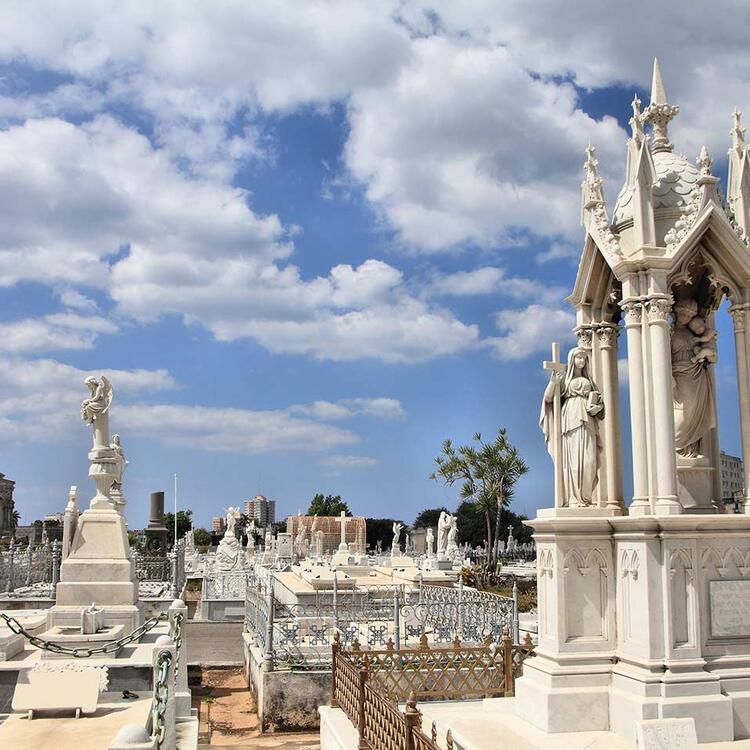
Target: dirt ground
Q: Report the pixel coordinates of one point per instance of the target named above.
(228, 717)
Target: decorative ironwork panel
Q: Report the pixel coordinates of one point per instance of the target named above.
(385, 727)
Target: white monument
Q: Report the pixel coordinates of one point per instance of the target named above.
(644, 606)
(98, 566)
(343, 556)
(229, 552)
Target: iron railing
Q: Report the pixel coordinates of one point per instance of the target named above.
(368, 685)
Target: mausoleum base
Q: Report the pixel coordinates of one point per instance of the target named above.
(644, 617)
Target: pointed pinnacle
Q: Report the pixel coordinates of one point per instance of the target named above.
(658, 94)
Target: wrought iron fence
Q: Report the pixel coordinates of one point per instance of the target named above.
(368, 684)
(300, 635)
(30, 570)
(152, 568)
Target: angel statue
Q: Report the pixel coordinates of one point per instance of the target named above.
(95, 409)
(396, 543)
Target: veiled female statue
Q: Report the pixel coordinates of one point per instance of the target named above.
(581, 409)
(693, 349)
(396, 542)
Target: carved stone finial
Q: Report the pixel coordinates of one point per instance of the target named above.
(704, 162)
(737, 132)
(636, 121)
(659, 112)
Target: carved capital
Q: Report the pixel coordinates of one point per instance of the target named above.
(738, 313)
(607, 335)
(585, 336)
(658, 309)
(632, 312)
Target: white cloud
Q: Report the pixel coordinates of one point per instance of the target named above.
(75, 300)
(194, 249)
(40, 398)
(383, 408)
(530, 330)
(492, 280)
(231, 430)
(349, 462)
(53, 332)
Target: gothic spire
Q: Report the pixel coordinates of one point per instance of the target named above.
(737, 132)
(659, 112)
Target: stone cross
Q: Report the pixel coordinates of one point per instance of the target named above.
(555, 365)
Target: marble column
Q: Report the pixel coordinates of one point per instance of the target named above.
(587, 340)
(607, 336)
(658, 309)
(633, 310)
(741, 348)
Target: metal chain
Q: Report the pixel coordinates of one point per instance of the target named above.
(161, 697)
(177, 639)
(81, 651)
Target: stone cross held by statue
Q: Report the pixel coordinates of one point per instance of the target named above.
(556, 366)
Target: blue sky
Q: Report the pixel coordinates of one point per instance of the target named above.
(310, 242)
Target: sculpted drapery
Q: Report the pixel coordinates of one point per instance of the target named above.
(581, 410)
(692, 351)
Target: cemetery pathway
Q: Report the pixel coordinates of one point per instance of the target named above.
(228, 717)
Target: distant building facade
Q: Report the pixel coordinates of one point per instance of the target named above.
(262, 510)
(218, 524)
(6, 505)
(731, 475)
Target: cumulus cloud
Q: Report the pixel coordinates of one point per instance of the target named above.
(97, 205)
(492, 280)
(53, 332)
(40, 400)
(530, 330)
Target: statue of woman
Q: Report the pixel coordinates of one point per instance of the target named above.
(692, 378)
(122, 462)
(452, 545)
(396, 543)
(444, 524)
(430, 541)
(581, 406)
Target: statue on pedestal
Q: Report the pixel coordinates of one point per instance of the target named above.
(228, 555)
(451, 542)
(95, 409)
(429, 542)
(396, 543)
(444, 525)
(578, 401)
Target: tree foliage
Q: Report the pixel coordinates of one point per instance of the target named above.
(487, 473)
(380, 530)
(184, 522)
(429, 517)
(202, 537)
(327, 505)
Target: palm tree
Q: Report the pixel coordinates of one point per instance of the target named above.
(15, 519)
(488, 473)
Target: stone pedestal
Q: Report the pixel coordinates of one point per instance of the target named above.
(98, 569)
(641, 618)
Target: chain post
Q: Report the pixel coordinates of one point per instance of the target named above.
(412, 720)
(55, 563)
(163, 718)
(362, 744)
(177, 622)
(516, 623)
